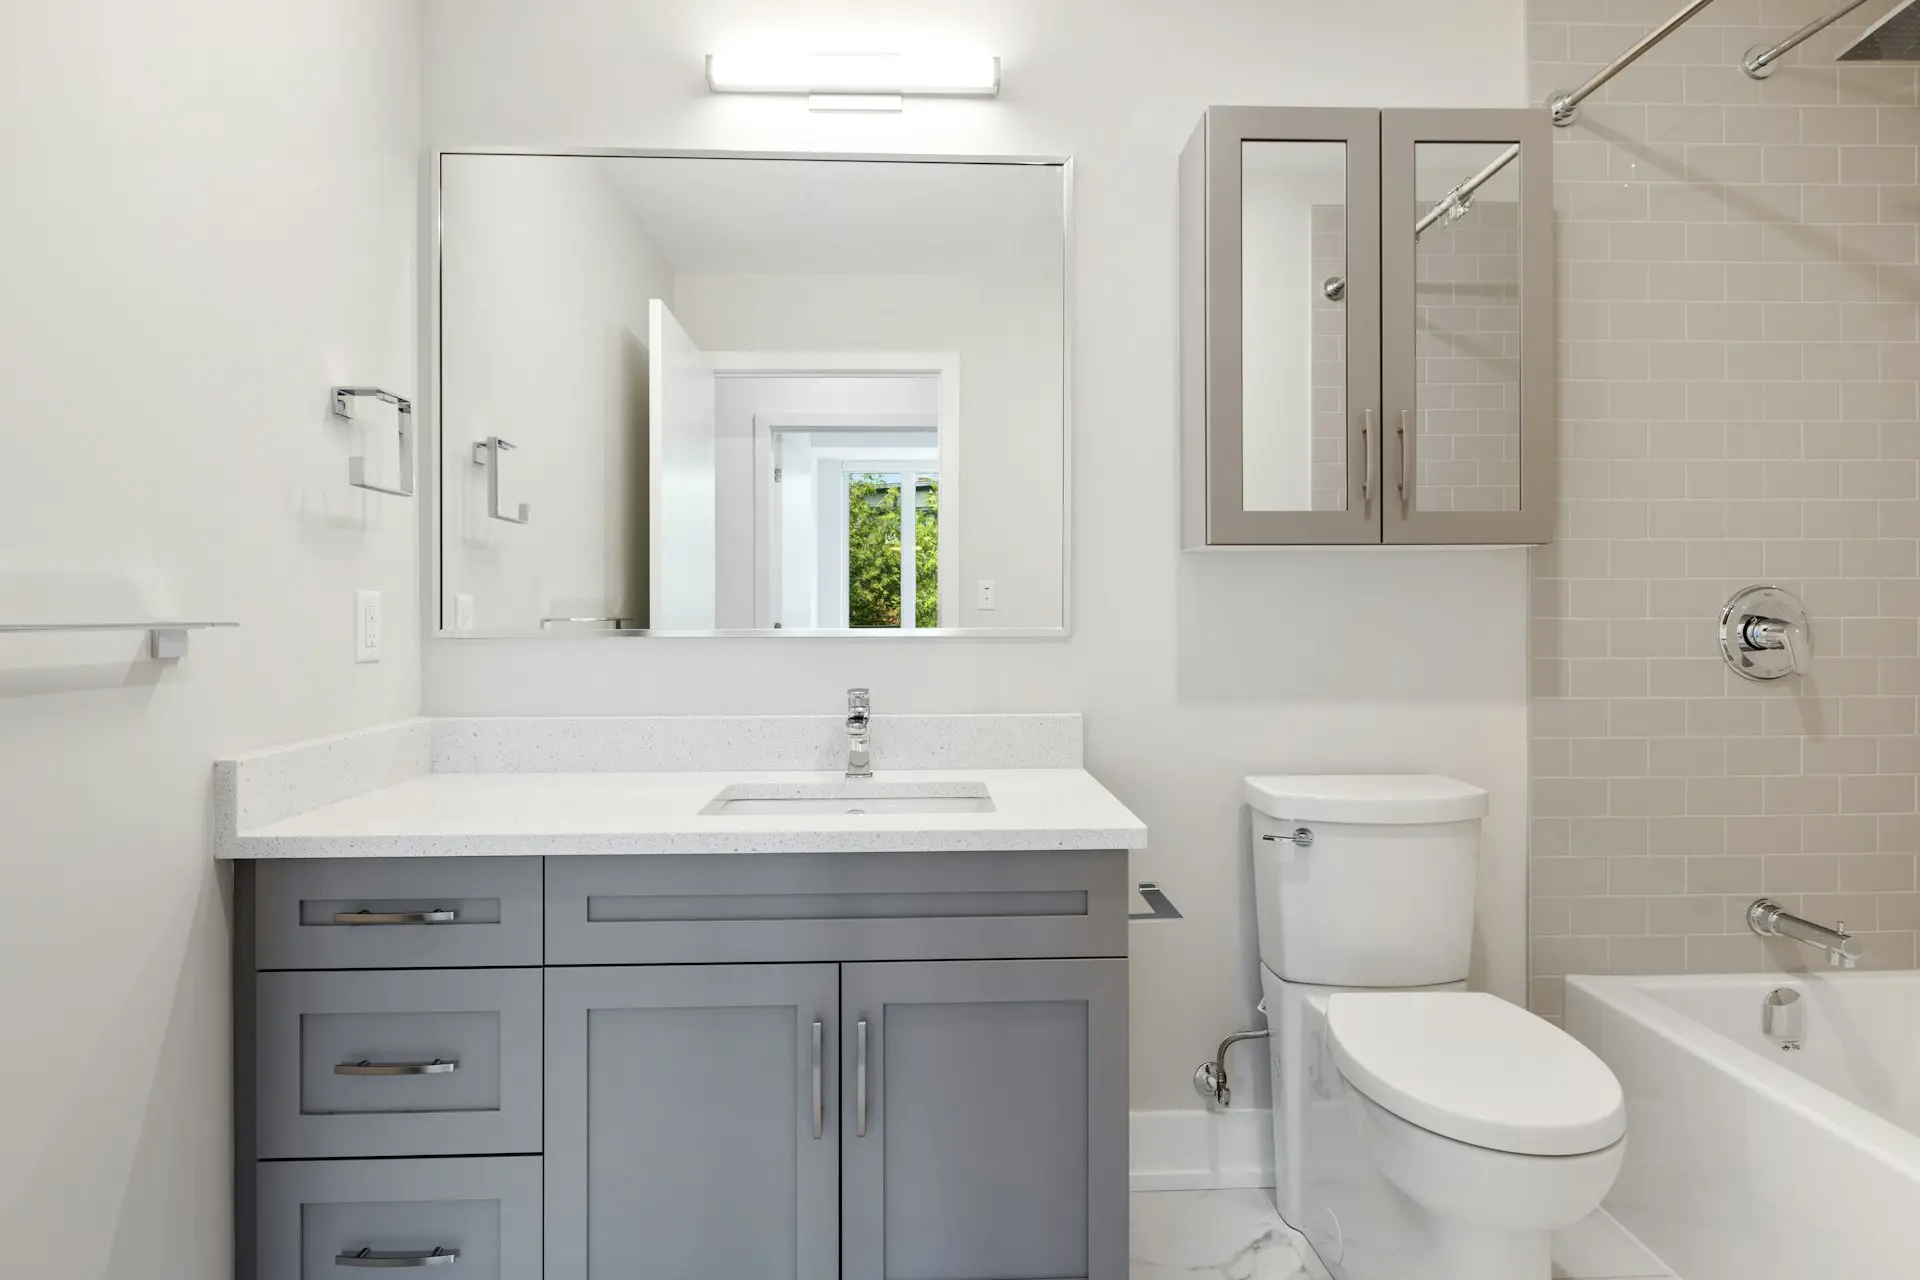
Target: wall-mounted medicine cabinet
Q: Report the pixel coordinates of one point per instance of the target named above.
(1367, 348)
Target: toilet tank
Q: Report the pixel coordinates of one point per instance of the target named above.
(1369, 881)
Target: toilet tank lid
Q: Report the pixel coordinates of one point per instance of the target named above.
(1384, 798)
(1471, 1067)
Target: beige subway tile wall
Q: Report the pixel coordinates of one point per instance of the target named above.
(1739, 363)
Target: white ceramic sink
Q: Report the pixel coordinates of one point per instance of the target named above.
(859, 798)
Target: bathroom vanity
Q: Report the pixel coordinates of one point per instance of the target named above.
(558, 1020)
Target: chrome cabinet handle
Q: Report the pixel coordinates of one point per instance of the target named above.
(819, 1087)
(435, 1257)
(1366, 450)
(1406, 452)
(439, 915)
(438, 1067)
(860, 1081)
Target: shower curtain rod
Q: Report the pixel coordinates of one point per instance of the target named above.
(1565, 105)
(1760, 59)
(1335, 287)
(1460, 196)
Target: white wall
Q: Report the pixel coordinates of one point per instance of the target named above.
(208, 219)
(545, 280)
(1192, 669)
(1008, 331)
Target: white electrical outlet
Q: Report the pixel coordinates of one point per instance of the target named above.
(463, 614)
(366, 626)
(985, 600)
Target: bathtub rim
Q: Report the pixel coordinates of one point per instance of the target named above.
(1872, 1135)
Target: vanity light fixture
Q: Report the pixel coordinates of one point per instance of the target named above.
(855, 81)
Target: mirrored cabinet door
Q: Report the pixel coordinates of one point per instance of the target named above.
(1280, 228)
(1467, 336)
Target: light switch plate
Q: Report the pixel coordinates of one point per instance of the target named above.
(462, 614)
(366, 626)
(986, 596)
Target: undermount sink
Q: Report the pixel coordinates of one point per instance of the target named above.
(808, 799)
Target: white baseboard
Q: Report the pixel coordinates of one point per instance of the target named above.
(1201, 1150)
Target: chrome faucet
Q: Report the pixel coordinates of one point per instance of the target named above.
(1770, 920)
(859, 734)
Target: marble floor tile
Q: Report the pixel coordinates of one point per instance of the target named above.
(1237, 1235)
(1213, 1235)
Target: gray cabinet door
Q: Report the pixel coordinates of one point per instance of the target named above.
(685, 1140)
(984, 1120)
(1280, 327)
(1468, 324)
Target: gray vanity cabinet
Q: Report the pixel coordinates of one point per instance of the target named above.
(877, 1066)
(984, 1129)
(689, 1130)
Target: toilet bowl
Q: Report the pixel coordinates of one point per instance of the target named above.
(1419, 1129)
(1498, 1128)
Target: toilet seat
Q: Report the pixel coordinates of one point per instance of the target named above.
(1471, 1067)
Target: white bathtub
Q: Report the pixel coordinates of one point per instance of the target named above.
(1748, 1162)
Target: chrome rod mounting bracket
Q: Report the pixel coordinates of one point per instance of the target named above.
(1565, 103)
(1760, 61)
(342, 398)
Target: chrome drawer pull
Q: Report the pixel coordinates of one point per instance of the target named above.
(438, 1067)
(439, 915)
(435, 1257)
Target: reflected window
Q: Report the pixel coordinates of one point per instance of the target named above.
(892, 549)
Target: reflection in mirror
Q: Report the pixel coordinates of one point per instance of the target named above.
(780, 395)
(1294, 325)
(1467, 326)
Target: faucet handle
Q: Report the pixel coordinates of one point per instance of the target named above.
(858, 698)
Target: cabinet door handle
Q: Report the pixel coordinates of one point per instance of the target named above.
(438, 915)
(1366, 451)
(438, 1067)
(435, 1257)
(819, 1089)
(860, 1081)
(1406, 453)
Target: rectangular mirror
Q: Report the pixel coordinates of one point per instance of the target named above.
(1293, 226)
(1467, 325)
(771, 395)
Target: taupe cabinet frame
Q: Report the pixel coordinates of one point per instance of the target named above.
(1381, 334)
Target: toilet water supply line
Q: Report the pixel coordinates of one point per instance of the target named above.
(1210, 1078)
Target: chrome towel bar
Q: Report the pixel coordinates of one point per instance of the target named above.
(165, 640)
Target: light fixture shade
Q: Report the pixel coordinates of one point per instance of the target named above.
(777, 71)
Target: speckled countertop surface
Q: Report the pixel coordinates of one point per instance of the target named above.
(571, 814)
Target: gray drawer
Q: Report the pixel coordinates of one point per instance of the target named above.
(315, 1215)
(397, 913)
(411, 1063)
(748, 908)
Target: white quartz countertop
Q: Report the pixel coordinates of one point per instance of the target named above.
(570, 814)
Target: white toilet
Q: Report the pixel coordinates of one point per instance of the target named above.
(1419, 1129)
